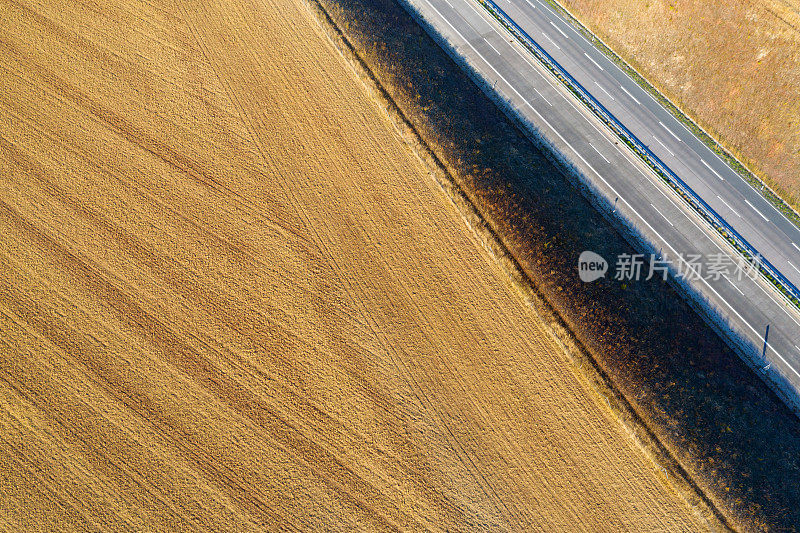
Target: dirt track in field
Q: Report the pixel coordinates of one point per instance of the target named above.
(232, 298)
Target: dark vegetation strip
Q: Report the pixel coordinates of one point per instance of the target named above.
(723, 425)
(586, 365)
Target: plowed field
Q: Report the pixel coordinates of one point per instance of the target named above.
(231, 298)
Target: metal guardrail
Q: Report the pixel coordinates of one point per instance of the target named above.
(766, 268)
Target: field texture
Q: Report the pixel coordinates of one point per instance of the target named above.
(736, 440)
(732, 66)
(232, 299)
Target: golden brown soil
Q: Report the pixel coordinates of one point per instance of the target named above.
(231, 298)
(732, 66)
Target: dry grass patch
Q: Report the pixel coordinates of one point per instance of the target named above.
(734, 67)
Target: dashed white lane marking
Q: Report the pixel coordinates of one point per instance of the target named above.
(530, 4)
(593, 61)
(712, 241)
(543, 98)
(796, 247)
(712, 170)
(551, 40)
(732, 283)
(629, 94)
(670, 131)
(613, 190)
(664, 145)
(493, 48)
(608, 93)
(598, 153)
(729, 207)
(756, 210)
(559, 29)
(581, 36)
(662, 215)
(794, 267)
(449, 4)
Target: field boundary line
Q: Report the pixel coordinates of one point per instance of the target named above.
(584, 365)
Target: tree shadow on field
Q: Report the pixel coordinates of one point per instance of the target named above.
(726, 427)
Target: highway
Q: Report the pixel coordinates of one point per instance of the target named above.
(744, 307)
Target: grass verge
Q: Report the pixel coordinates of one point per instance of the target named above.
(712, 219)
(718, 421)
(767, 191)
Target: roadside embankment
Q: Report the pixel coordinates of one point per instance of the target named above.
(732, 435)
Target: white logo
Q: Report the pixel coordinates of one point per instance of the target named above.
(635, 267)
(591, 266)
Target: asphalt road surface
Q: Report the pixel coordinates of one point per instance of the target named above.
(745, 306)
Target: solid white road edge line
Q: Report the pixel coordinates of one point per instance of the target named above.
(625, 202)
(703, 232)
